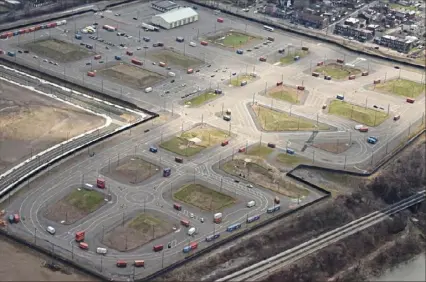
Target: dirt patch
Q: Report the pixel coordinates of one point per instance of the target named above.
(335, 148)
(206, 136)
(335, 183)
(131, 76)
(14, 256)
(258, 171)
(58, 50)
(130, 170)
(203, 197)
(31, 123)
(173, 58)
(139, 230)
(129, 118)
(75, 206)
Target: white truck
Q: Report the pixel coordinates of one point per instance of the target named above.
(251, 204)
(191, 231)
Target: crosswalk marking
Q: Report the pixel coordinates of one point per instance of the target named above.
(356, 61)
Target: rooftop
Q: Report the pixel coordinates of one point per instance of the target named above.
(352, 20)
(165, 4)
(14, 2)
(407, 39)
(178, 14)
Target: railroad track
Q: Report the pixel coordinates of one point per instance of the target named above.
(266, 267)
(18, 172)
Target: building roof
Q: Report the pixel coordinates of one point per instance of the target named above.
(178, 14)
(165, 4)
(352, 20)
(13, 2)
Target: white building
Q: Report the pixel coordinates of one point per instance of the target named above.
(175, 18)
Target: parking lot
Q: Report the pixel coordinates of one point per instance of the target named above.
(215, 65)
(126, 63)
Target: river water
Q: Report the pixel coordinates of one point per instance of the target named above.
(414, 270)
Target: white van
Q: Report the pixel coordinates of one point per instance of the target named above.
(51, 230)
(358, 126)
(251, 204)
(101, 251)
(191, 231)
(88, 186)
(192, 44)
(147, 90)
(172, 74)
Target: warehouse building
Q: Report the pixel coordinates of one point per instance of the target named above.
(175, 18)
(164, 6)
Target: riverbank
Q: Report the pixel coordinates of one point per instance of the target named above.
(413, 270)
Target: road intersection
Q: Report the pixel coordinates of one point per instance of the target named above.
(155, 194)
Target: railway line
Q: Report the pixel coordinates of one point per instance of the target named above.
(18, 172)
(268, 266)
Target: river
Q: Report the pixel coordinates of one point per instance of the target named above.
(414, 270)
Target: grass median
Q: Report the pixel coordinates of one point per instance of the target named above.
(236, 81)
(201, 99)
(274, 120)
(203, 197)
(235, 39)
(284, 93)
(337, 71)
(359, 114)
(291, 160)
(186, 145)
(85, 200)
(401, 87)
(289, 58)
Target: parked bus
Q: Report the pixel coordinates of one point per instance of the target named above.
(268, 28)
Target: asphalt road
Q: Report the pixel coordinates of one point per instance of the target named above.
(129, 199)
